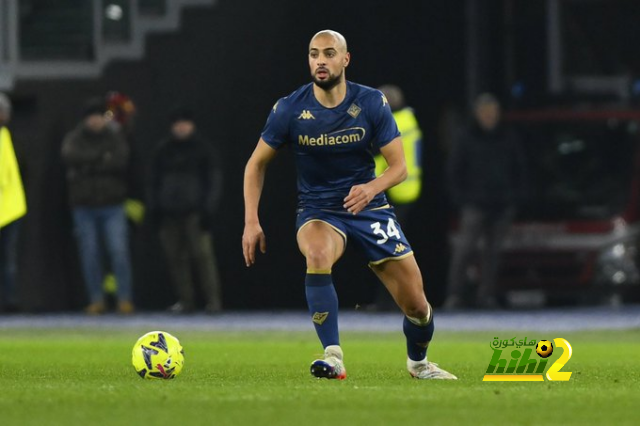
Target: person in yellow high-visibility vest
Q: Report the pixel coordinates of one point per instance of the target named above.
(404, 195)
(12, 207)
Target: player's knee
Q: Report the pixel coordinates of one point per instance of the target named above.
(416, 309)
(319, 257)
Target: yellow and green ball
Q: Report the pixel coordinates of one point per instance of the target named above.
(157, 355)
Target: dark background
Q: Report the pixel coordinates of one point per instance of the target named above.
(231, 63)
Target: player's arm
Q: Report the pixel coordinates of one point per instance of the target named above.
(254, 174)
(361, 195)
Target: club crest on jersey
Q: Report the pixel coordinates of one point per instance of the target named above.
(306, 115)
(320, 317)
(354, 110)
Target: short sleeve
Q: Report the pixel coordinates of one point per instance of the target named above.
(383, 123)
(276, 129)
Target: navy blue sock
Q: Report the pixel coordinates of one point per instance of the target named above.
(323, 307)
(418, 338)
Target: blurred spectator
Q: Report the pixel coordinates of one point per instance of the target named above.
(96, 158)
(185, 189)
(121, 112)
(404, 195)
(120, 115)
(487, 182)
(12, 207)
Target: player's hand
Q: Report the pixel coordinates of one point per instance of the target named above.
(359, 197)
(253, 236)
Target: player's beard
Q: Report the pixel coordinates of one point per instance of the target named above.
(330, 82)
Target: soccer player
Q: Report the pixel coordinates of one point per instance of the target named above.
(333, 126)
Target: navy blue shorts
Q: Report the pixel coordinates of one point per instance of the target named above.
(376, 231)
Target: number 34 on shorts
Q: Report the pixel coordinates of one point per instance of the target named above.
(376, 232)
(389, 239)
(392, 231)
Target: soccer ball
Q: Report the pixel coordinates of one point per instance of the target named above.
(544, 348)
(157, 355)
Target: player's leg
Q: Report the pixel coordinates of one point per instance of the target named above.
(322, 246)
(403, 279)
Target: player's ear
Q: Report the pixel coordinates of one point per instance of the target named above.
(347, 58)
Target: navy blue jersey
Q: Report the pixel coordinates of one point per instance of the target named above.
(333, 147)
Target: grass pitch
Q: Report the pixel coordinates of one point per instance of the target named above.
(84, 377)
